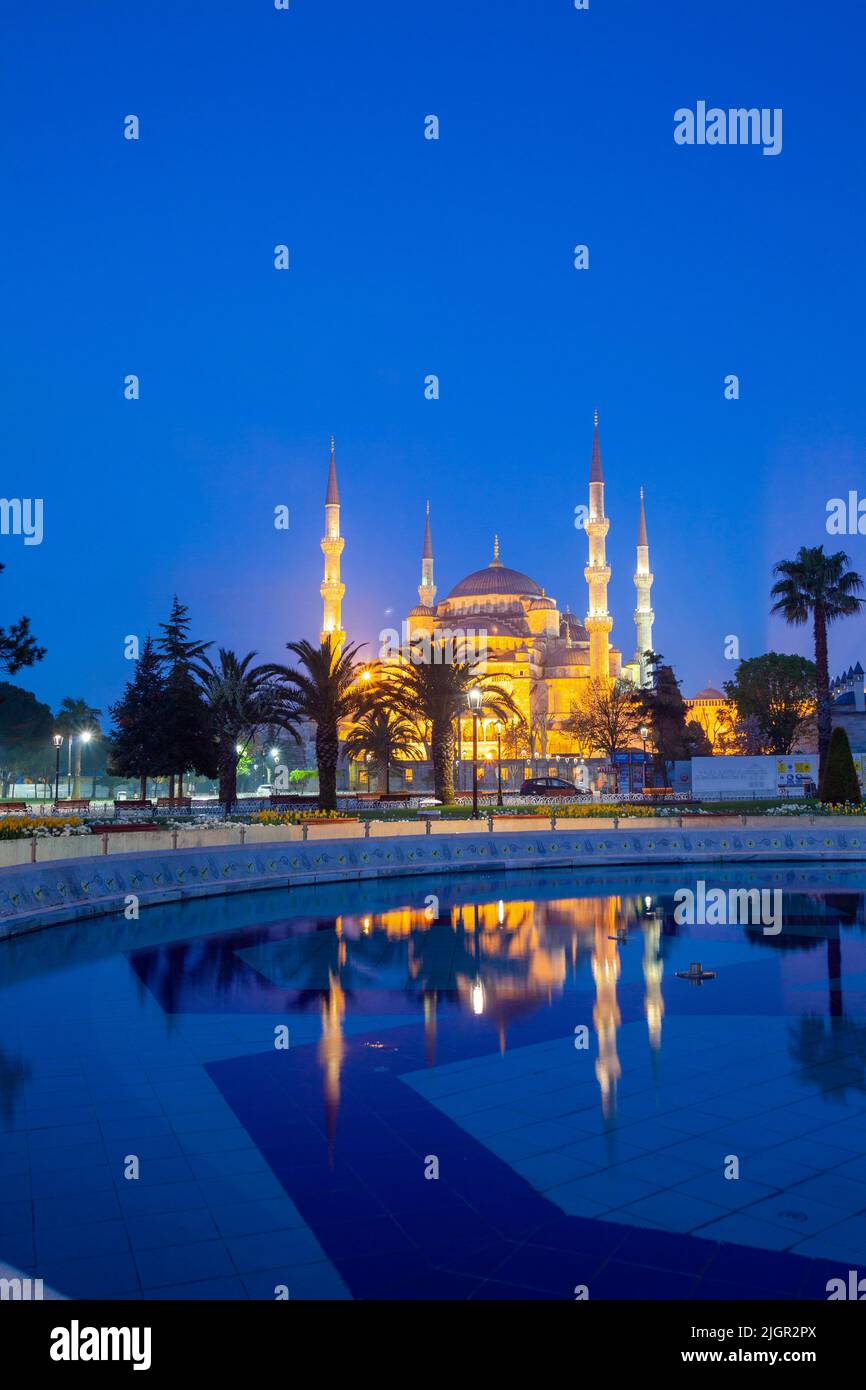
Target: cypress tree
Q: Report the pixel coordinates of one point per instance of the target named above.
(136, 736)
(188, 739)
(839, 783)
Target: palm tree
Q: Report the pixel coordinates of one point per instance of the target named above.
(74, 718)
(381, 734)
(432, 694)
(324, 691)
(240, 697)
(822, 588)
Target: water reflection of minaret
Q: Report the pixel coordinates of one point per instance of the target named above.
(332, 1047)
(653, 969)
(606, 1014)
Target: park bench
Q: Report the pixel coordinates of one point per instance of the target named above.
(13, 806)
(75, 805)
(120, 807)
(174, 803)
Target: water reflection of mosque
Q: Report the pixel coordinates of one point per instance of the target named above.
(500, 960)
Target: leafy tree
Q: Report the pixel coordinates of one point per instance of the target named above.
(26, 727)
(821, 588)
(664, 710)
(515, 737)
(839, 782)
(74, 718)
(240, 698)
(608, 717)
(137, 736)
(18, 646)
(430, 690)
(778, 692)
(322, 689)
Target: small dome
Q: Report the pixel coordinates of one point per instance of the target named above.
(543, 603)
(710, 693)
(421, 610)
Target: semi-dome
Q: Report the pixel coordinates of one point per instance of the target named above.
(571, 626)
(566, 656)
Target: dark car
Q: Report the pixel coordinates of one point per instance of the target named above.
(549, 786)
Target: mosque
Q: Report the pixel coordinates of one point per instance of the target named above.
(542, 655)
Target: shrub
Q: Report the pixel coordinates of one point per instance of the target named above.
(839, 783)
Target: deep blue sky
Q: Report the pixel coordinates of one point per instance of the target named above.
(409, 257)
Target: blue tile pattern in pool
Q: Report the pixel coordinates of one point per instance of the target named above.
(440, 1039)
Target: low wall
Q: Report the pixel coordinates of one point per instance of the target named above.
(80, 885)
(47, 849)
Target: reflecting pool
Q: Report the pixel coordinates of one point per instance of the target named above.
(505, 1086)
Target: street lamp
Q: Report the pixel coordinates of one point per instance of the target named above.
(85, 736)
(474, 697)
(57, 740)
(498, 763)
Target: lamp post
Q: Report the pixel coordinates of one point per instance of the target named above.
(644, 735)
(57, 740)
(474, 699)
(498, 763)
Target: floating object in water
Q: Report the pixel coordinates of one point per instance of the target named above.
(695, 973)
(621, 937)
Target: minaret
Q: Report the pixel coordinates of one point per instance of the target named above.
(597, 573)
(331, 589)
(427, 589)
(643, 614)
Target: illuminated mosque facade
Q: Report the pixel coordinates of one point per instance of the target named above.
(543, 656)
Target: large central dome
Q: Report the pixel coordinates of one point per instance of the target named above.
(496, 578)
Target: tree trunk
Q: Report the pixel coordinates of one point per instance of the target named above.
(442, 752)
(822, 685)
(76, 784)
(387, 775)
(142, 790)
(327, 750)
(228, 776)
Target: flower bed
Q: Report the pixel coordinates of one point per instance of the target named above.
(24, 827)
(300, 817)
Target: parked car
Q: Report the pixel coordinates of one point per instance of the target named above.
(550, 786)
(264, 790)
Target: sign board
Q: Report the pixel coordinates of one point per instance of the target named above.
(763, 777)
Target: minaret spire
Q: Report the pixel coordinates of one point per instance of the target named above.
(427, 589)
(597, 573)
(331, 587)
(643, 613)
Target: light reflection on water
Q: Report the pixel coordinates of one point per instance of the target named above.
(487, 951)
